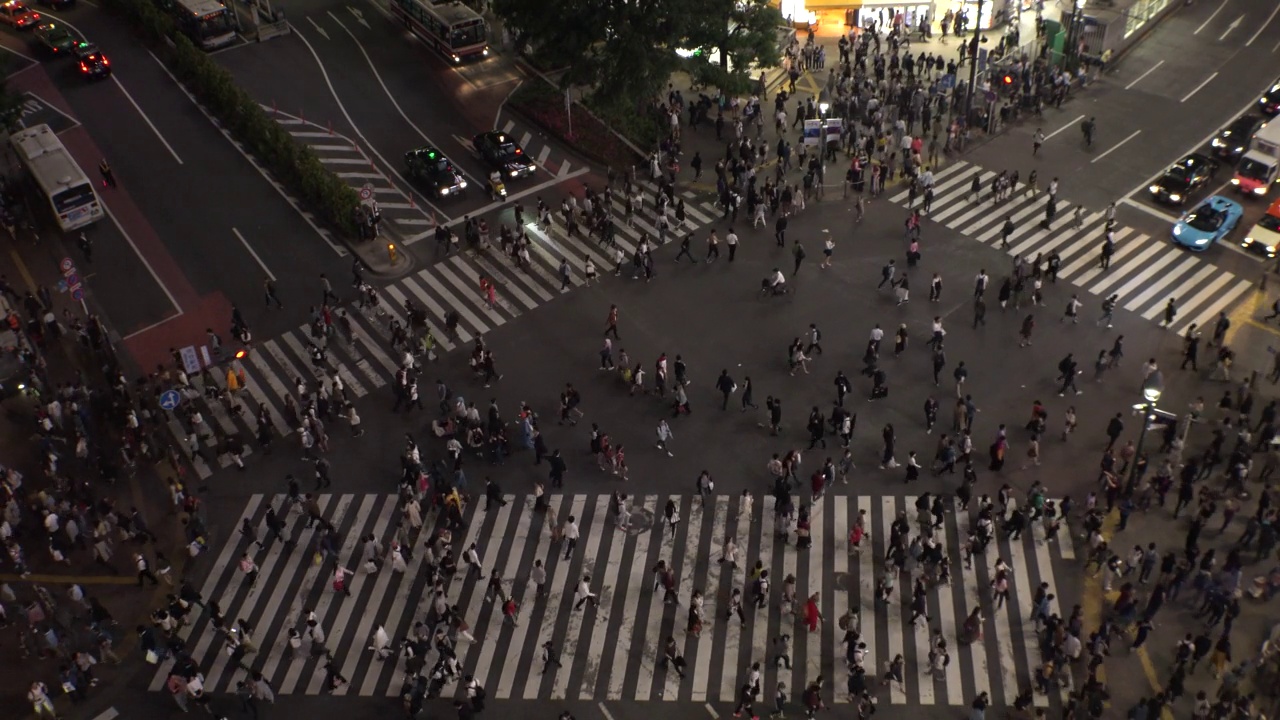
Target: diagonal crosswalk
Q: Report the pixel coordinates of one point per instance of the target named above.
(348, 160)
(366, 363)
(1145, 271)
(611, 652)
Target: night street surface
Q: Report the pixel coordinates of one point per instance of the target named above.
(714, 317)
(1195, 73)
(368, 91)
(184, 192)
(545, 348)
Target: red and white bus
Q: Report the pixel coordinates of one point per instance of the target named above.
(454, 29)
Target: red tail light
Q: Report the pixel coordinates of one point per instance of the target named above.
(84, 68)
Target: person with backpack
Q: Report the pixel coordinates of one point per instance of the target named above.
(475, 693)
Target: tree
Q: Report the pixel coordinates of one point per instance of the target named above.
(622, 50)
(743, 32)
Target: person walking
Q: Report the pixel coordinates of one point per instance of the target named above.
(144, 570)
(269, 293)
(108, 176)
(86, 247)
(326, 289)
(584, 594)
(549, 657)
(1170, 312)
(611, 323)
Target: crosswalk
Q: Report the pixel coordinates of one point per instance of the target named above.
(537, 148)
(348, 160)
(366, 365)
(1145, 271)
(612, 652)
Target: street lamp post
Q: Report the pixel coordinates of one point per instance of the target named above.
(973, 63)
(1072, 52)
(1152, 389)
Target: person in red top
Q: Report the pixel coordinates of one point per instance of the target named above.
(611, 323)
(812, 616)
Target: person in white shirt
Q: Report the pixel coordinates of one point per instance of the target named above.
(584, 593)
(570, 536)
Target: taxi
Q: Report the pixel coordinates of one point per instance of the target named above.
(17, 15)
(1264, 237)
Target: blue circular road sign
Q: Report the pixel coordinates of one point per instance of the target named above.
(170, 399)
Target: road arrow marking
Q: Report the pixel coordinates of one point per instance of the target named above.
(464, 143)
(1234, 24)
(360, 17)
(318, 28)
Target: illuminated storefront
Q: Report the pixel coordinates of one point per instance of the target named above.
(835, 16)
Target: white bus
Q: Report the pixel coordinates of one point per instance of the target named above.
(454, 29)
(207, 22)
(69, 191)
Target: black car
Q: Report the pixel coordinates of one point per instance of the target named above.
(93, 64)
(1269, 104)
(501, 152)
(429, 165)
(1183, 178)
(1234, 139)
(57, 4)
(54, 39)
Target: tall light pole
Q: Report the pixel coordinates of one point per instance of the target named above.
(1152, 389)
(1072, 52)
(973, 63)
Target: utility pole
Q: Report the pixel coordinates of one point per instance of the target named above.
(973, 63)
(1071, 53)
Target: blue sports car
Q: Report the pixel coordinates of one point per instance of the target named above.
(1208, 223)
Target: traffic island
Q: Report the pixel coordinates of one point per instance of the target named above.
(542, 104)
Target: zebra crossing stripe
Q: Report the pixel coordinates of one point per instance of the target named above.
(1145, 270)
(1225, 300)
(653, 640)
(363, 626)
(559, 585)
(702, 662)
(631, 621)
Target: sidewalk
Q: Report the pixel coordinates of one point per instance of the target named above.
(29, 267)
(811, 85)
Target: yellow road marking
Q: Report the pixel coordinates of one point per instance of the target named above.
(1091, 608)
(22, 270)
(70, 579)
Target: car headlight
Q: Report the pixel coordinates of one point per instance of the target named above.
(1177, 229)
(1202, 241)
(1154, 188)
(444, 191)
(1240, 149)
(1260, 190)
(513, 173)
(1246, 242)
(1217, 142)
(1175, 197)
(1235, 181)
(462, 185)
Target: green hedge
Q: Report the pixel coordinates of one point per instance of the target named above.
(292, 163)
